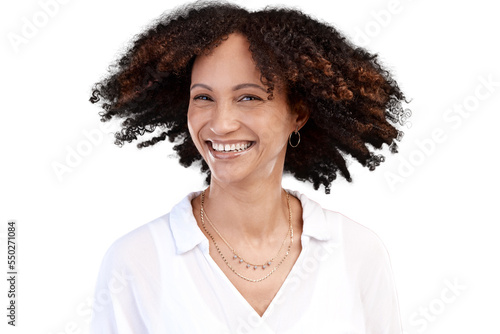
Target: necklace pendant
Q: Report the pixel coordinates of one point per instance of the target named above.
(237, 257)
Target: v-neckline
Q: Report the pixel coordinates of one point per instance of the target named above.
(278, 294)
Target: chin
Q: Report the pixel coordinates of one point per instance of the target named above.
(228, 178)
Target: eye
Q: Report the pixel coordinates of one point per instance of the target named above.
(250, 98)
(202, 98)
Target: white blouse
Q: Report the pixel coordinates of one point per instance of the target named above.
(160, 278)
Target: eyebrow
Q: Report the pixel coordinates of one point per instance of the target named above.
(235, 88)
(249, 85)
(202, 86)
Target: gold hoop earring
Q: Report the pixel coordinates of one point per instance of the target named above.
(290, 139)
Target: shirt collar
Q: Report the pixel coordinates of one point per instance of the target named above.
(313, 215)
(184, 227)
(187, 234)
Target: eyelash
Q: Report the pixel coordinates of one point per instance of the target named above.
(252, 97)
(202, 98)
(207, 98)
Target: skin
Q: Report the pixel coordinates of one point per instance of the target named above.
(230, 105)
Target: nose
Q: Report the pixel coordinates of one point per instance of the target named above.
(224, 119)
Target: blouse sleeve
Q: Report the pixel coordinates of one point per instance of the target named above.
(115, 308)
(378, 292)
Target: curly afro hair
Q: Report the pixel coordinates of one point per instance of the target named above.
(350, 99)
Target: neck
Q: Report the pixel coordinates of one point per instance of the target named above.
(252, 214)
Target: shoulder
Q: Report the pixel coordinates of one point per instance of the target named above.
(130, 276)
(354, 235)
(358, 243)
(138, 246)
(365, 256)
(142, 236)
(152, 241)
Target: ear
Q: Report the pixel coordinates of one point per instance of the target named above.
(302, 113)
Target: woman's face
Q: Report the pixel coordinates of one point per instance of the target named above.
(239, 132)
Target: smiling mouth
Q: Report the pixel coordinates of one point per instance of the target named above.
(230, 148)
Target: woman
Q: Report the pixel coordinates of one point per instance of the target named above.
(244, 255)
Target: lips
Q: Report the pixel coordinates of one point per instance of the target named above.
(232, 149)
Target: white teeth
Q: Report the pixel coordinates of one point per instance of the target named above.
(231, 147)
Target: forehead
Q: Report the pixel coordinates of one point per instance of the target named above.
(230, 62)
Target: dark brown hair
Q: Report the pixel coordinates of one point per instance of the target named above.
(353, 103)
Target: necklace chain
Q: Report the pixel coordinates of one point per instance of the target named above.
(290, 231)
(241, 259)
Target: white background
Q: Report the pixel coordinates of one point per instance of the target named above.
(439, 219)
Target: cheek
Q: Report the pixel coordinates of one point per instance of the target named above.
(275, 130)
(196, 121)
(193, 122)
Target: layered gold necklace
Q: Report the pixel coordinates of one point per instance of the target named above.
(236, 255)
